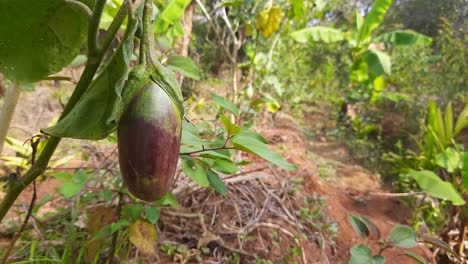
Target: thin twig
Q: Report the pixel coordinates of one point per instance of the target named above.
(204, 149)
(116, 234)
(34, 144)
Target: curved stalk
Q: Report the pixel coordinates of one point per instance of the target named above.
(8, 108)
(147, 40)
(95, 57)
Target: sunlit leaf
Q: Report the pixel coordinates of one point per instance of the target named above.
(449, 160)
(224, 103)
(433, 185)
(252, 145)
(374, 19)
(379, 62)
(170, 15)
(403, 38)
(317, 34)
(231, 128)
(184, 65)
(168, 199)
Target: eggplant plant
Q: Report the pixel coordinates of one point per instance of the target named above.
(142, 103)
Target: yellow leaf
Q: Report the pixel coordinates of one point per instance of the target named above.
(142, 235)
(269, 20)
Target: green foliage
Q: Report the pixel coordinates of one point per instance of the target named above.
(401, 236)
(47, 38)
(433, 185)
(403, 38)
(373, 20)
(318, 34)
(184, 65)
(363, 254)
(170, 16)
(92, 117)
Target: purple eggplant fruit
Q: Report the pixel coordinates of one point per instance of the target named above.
(149, 134)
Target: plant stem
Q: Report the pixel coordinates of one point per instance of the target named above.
(94, 20)
(116, 234)
(9, 105)
(80, 5)
(114, 27)
(147, 41)
(41, 164)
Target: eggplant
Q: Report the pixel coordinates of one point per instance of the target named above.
(149, 135)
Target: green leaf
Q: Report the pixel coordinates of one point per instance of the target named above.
(433, 185)
(132, 211)
(93, 115)
(70, 189)
(465, 171)
(298, 9)
(225, 166)
(317, 34)
(462, 121)
(143, 236)
(39, 38)
(221, 101)
(364, 227)
(215, 155)
(194, 171)
(216, 182)
(403, 38)
(361, 254)
(168, 199)
(449, 159)
(359, 226)
(152, 214)
(107, 195)
(254, 146)
(403, 236)
(415, 257)
(80, 177)
(231, 128)
(440, 244)
(184, 65)
(170, 15)
(379, 62)
(62, 176)
(448, 119)
(374, 18)
(188, 138)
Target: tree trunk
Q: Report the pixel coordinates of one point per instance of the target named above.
(184, 41)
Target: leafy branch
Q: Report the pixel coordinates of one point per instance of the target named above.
(95, 57)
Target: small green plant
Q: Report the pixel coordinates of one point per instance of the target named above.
(440, 170)
(401, 236)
